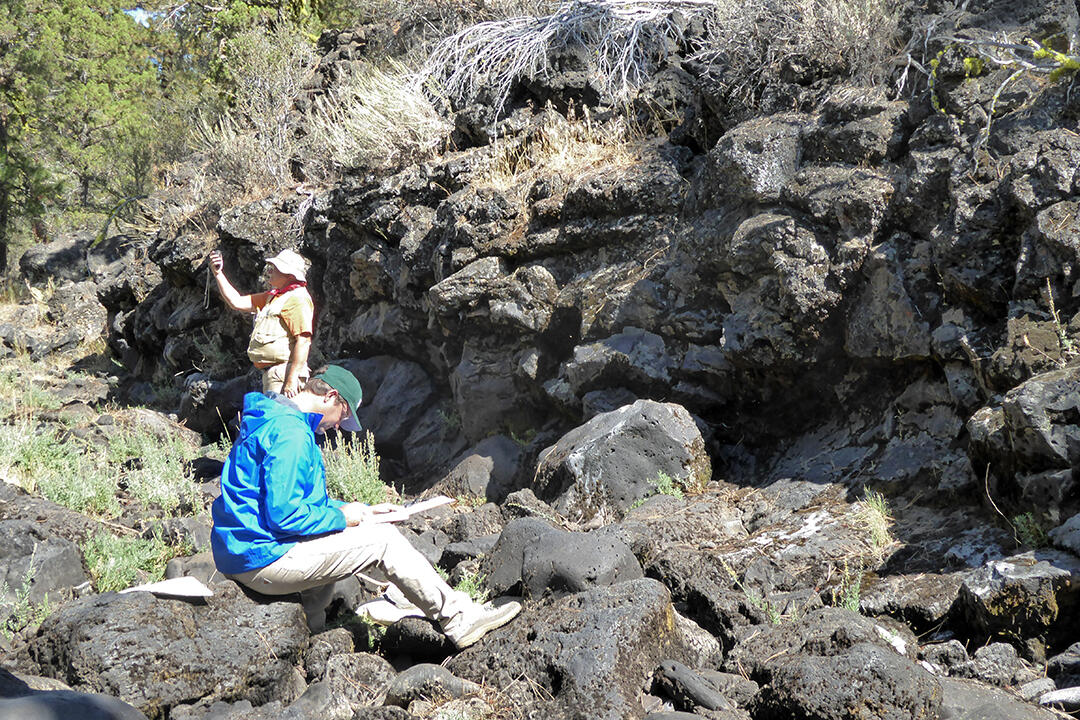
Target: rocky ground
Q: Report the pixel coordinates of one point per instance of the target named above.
(778, 420)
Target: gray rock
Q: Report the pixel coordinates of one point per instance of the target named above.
(634, 359)
(884, 322)
(1067, 535)
(687, 689)
(58, 260)
(968, 700)
(604, 466)
(487, 470)
(322, 647)
(739, 689)
(486, 394)
(862, 680)
(540, 559)
(359, 679)
(229, 647)
(34, 698)
(1067, 698)
(996, 664)
(1021, 594)
(589, 652)
(754, 160)
(36, 568)
(427, 680)
(51, 705)
(477, 524)
(1037, 416)
(1033, 689)
(392, 408)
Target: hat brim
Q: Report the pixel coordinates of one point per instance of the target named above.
(350, 423)
(287, 269)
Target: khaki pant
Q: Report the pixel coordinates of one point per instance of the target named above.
(273, 377)
(336, 556)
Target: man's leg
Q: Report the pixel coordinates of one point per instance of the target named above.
(326, 559)
(273, 378)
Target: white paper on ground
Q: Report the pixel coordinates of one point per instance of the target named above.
(175, 587)
(410, 510)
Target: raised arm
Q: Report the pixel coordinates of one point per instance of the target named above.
(232, 298)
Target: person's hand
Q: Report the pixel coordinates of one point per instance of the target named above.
(290, 388)
(358, 512)
(216, 261)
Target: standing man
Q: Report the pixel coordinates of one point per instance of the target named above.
(276, 531)
(281, 339)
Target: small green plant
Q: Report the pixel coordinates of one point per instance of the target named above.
(1029, 531)
(754, 598)
(23, 612)
(373, 633)
(469, 500)
(666, 485)
(352, 473)
(119, 562)
(847, 592)
(472, 584)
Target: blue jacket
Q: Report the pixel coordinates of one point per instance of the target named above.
(273, 487)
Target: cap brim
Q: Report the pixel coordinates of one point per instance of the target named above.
(350, 423)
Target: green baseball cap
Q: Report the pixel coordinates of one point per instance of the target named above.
(348, 388)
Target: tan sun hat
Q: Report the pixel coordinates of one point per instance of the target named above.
(289, 262)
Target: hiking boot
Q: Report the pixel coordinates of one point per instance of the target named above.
(470, 625)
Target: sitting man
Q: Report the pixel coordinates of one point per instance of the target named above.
(281, 339)
(277, 532)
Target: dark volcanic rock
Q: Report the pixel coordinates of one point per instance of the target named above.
(230, 648)
(615, 458)
(864, 680)
(588, 654)
(538, 558)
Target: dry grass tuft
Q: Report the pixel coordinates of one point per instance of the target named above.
(875, 516)
(573, 148)
(626, 41)
(373, 117)
(756, 39)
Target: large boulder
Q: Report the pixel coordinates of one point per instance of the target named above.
(231, 647)
(538, 558)
(865, 680)
(615, 459)
(583, 655)
(1026, 595)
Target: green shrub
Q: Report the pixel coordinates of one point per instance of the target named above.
(1029, 531)
(159, 476)
(64, 473)
(848, 591)
(665, 485)
(352, 473)
(120, 562)
(251, 145)
(874, 514)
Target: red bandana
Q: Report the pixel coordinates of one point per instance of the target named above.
(287, 288)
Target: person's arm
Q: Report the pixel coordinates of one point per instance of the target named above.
(298, 355)
(232, 298)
